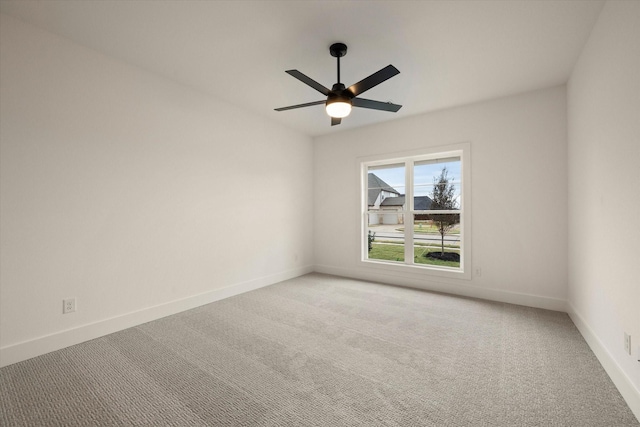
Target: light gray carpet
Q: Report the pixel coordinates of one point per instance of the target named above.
(325, 351)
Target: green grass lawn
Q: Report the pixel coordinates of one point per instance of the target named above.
(396, 253)
(429, 245)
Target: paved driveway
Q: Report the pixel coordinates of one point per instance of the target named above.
(390, 232)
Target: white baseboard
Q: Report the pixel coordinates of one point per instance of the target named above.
(449, 287)
(621, 380)
(27, 349)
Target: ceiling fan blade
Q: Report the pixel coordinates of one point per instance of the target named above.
(335, 121)
(308, 104)
(373, 80)
(375, 105)
(309, 81)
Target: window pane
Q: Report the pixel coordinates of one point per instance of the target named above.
(445, 196)
(437, 184)
(433, 234)
(385, 187)
(385, 236)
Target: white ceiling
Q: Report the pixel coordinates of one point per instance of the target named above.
(449, 53)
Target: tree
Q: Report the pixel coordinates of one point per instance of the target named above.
(443, 198)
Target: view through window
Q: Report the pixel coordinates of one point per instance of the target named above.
(413, 212)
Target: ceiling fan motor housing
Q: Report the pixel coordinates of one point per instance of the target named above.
(338, 50)
(339, 91)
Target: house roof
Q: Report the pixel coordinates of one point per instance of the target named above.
(393, 201)
(420, 203)
(375, 186)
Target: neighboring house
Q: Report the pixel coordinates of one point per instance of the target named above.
(388, 202)
(421, 203)
(379, 192)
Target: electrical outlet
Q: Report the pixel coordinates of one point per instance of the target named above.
(68, 305)
(627, 343)
(478, 272)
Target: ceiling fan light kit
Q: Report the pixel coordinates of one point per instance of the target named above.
(338, 108)
(341, 99)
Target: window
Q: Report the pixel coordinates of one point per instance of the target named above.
(415, 211)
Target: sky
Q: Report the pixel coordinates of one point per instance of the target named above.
(423, 176)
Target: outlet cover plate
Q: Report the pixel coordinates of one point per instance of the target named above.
(68, 305)
(627, 343)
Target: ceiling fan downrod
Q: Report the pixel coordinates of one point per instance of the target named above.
(338, 50)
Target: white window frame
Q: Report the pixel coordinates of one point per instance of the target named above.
(462, 150)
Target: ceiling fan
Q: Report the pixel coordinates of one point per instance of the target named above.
(340, 99)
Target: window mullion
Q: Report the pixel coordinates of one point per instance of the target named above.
(440, 211)
(408, 213)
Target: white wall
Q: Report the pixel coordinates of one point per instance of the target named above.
(519, 210)
(604, 193)
(135, 195)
